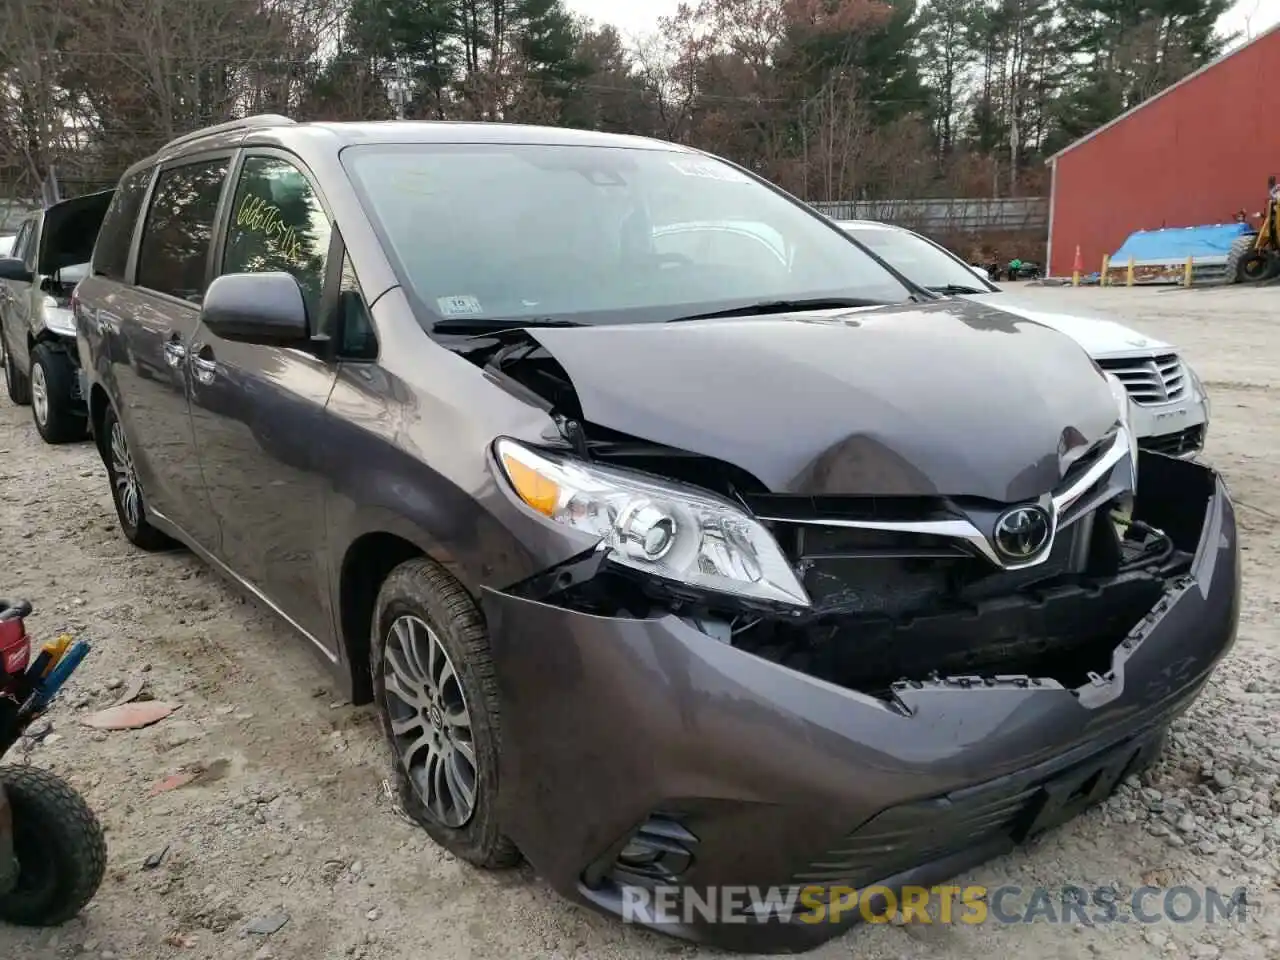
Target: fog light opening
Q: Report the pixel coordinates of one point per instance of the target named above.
(660, 850)
(636, 854)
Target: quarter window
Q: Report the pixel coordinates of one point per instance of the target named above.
(356, 337)
(277, 224)
(174, 254)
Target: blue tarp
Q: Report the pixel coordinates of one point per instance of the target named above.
(1174, 245)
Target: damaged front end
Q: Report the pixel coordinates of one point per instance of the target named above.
(898, 593)
(886, 590)
(834, 687)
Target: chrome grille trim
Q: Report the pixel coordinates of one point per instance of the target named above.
(1058, 504)
(1150, 381)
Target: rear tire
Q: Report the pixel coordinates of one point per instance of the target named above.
(436, 761)
(18, 386)
(126, 492)
(60, 847)
(53, 407)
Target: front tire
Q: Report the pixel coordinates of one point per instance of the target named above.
(1259, 267)
(52, 405)
(126, 492)
(437, 695)
(18, 387)
(60, 847)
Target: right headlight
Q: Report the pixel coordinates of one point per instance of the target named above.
(654, 526)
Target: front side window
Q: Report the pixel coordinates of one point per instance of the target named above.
(111, 251)
(597, 234)
(277, 224)
(174, 254)
(918, 259)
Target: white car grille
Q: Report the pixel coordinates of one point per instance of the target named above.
(1150, 380)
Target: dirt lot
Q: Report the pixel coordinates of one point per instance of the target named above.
(290, 816)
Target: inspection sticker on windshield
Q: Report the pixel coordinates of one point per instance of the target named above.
(459, 306)
(709, 170)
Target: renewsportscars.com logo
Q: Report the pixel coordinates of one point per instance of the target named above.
(973, 904)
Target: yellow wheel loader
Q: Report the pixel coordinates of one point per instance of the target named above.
(1256, 256)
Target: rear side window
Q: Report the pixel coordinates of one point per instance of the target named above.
(174, 253)
(111, 252)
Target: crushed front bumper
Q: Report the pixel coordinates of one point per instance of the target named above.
(772, 777)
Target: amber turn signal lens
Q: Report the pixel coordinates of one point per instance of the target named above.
(534, 489)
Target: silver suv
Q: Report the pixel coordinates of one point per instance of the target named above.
(48, 259)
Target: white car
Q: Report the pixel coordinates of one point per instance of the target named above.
(1169, 409)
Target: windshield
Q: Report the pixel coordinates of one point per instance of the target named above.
(597, 235)
(918, 259)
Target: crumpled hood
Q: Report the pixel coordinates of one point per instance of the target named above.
(948, 397)
(1100, 336)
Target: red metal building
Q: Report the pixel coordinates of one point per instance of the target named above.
(1194, 154)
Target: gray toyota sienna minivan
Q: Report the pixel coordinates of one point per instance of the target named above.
(680, 542)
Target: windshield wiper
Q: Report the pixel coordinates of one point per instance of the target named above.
(765, 307)
(490, 324)
(956, 289)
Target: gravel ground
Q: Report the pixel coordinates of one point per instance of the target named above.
(286, 814)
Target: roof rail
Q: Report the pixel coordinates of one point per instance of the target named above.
(231, 126)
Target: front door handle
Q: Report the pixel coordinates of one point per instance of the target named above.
(203, 366)
(174, 353)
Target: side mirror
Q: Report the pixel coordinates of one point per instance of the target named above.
(263, 308)
(11, 268)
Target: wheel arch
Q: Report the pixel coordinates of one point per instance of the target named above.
(363, 568)
(98, 404)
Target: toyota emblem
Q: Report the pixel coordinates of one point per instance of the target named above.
(1022, 532)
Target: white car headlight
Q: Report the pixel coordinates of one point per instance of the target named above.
(662, 528)
(58, 319)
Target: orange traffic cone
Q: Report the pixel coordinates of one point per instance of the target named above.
(1077, 268)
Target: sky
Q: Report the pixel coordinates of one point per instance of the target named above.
(638, 17)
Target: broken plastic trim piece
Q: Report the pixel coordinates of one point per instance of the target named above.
(556, 579)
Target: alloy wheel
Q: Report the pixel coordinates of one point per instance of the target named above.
(122, 475)
(430, 721)
(39, 394)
